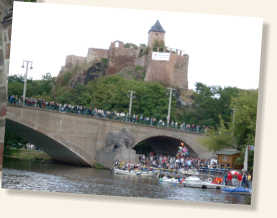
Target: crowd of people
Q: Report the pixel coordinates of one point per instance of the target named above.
(182, 160)
(134, 118)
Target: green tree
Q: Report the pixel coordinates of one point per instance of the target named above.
(35, 88)
(245, 107)
(220, 138)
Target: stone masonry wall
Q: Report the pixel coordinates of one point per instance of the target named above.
(158, 71)
(180, 71)
(170, 73)
(120, 57)
(96, 54)
(72, 60)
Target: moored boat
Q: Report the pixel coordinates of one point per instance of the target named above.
(125, 172)
(238, 190)
(166, 179)
(196, 182)
(132, 172)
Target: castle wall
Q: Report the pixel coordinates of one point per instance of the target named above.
(158, 71)
(96, 54)
(180, 72)
(170, 73)
(72, 60)
(140, 61)
(120, 57)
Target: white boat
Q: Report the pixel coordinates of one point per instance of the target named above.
(196, 182)
(132, 172)
(168, 180)
(125, 172)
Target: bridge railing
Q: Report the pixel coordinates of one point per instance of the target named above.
(113, 116)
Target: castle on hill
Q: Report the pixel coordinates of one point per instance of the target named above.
(160, 63)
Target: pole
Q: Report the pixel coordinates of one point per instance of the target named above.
(233, 121)
(131, 102)
(25, 79)
(169, 105)
(245, 163)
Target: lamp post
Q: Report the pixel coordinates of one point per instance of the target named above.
(233, 120)
(131, 95)
(28, 65)
(169, 104)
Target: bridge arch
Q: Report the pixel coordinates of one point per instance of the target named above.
(162, 144)
(58, 150)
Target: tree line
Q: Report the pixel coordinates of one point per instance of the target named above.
(230, 112)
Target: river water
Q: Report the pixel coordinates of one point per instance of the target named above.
(55, 177)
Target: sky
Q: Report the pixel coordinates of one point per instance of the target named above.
(223, 50)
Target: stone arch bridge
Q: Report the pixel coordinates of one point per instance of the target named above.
(77, 139)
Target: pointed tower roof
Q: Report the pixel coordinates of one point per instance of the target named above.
(157, 27)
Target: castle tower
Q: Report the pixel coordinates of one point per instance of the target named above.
(156, 36)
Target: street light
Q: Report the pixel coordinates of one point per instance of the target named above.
(131, 95)
(169, 104)
(28, 65)
(233, 119)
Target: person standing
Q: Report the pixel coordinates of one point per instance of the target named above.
(249, 181)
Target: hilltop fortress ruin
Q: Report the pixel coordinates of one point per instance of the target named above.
(159, 63)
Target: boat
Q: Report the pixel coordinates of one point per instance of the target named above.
(239, 190)
(166, 179)
(132, 172)
(125, 172)
(196, 182)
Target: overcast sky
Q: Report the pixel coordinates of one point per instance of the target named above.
(223, 50)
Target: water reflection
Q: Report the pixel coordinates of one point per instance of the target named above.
(63, 178)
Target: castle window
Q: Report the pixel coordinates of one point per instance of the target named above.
(116, 44)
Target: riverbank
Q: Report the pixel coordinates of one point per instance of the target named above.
(24, 154)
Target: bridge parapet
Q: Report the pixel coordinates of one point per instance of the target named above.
(186, 130)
